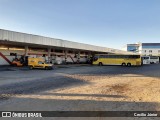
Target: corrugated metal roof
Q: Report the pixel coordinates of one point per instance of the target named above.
(12, 36)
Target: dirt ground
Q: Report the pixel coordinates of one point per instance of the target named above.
(87, 88)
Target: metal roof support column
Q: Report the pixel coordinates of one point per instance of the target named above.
(66, 55)
(26, 51)
(78, 56)
(49, 55)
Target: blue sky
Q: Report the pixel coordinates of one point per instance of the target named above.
(108, 23)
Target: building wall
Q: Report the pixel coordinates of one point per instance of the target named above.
(152, 49)
(6, 53)
(57, 58)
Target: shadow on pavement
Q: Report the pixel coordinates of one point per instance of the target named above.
(39, 85)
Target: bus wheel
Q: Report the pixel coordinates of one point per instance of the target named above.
(128, 64)
(123, 64)
(46, 68)
(14, 65)
(100, 64)
(30, 67)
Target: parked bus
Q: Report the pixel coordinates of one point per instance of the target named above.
(145, 59)
(114, 59)
(150, 59)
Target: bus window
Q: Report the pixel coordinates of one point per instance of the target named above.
(95, 58)
(135, 56)
(118, 56)
(153, 57)
(125, 56)
(145, 58)
(101, 56)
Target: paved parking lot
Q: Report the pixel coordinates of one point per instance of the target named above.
(72, 88)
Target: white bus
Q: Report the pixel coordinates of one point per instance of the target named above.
(150, 59)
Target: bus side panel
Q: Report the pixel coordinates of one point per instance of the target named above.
(106, 61)
(118, 61)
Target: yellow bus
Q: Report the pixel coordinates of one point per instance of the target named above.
(114, 59)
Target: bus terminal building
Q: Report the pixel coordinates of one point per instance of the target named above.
(145, 49)
(53, 50)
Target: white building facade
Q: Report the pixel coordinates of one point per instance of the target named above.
(145, 49)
